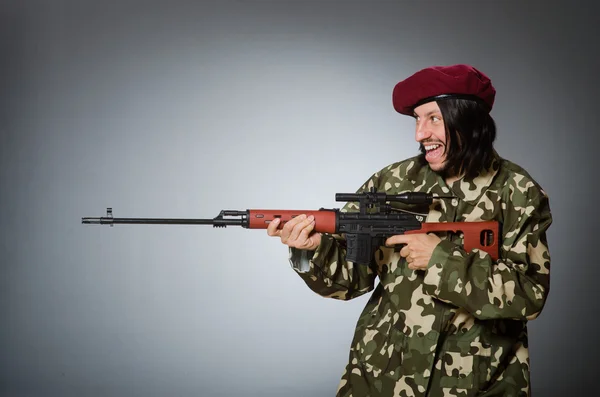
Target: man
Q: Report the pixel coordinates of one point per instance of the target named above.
(441, 321)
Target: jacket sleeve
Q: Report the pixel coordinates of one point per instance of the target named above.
(326, 270)
(514, 287)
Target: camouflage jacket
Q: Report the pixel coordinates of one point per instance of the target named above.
(459, 327)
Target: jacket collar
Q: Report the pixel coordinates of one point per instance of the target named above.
(467, 190)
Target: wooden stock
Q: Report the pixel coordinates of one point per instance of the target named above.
(481, 235)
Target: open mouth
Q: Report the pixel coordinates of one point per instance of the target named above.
(433, 151)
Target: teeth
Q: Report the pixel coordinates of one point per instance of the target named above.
(431, 147)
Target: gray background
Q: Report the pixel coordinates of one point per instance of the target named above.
(180, 109)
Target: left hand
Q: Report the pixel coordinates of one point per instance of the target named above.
(417, 250)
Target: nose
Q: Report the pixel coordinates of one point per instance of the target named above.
(421, 132)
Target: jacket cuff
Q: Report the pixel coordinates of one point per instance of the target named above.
(445, 257)
(301, 259)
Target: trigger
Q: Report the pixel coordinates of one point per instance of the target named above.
(398, 247)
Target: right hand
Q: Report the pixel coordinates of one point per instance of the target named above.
(296, 233)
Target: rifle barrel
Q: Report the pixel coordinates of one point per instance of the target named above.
(153, 221)
(225, 218)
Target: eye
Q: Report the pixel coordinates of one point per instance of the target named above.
(435, 119)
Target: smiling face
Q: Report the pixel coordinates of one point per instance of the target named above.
(431, 134)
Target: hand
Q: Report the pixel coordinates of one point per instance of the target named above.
(297, 232)
(417, 250)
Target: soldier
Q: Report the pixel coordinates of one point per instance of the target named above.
(441, 321)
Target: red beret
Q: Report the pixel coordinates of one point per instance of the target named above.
(438, 82)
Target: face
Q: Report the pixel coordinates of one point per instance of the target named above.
(431, 134)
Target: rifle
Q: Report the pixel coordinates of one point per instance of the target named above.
(365, 230)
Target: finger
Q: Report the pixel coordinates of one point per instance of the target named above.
(305, 235)
(297, 230)
(272, 228)
(289, 225)
(398, 239)
(419, 265)
(405, 251)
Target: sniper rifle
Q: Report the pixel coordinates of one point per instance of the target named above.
(364, 230)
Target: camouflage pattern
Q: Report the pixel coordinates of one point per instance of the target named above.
(459, 327)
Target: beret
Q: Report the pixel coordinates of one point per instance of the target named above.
(439, 82)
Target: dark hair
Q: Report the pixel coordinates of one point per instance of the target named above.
(470, 134)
